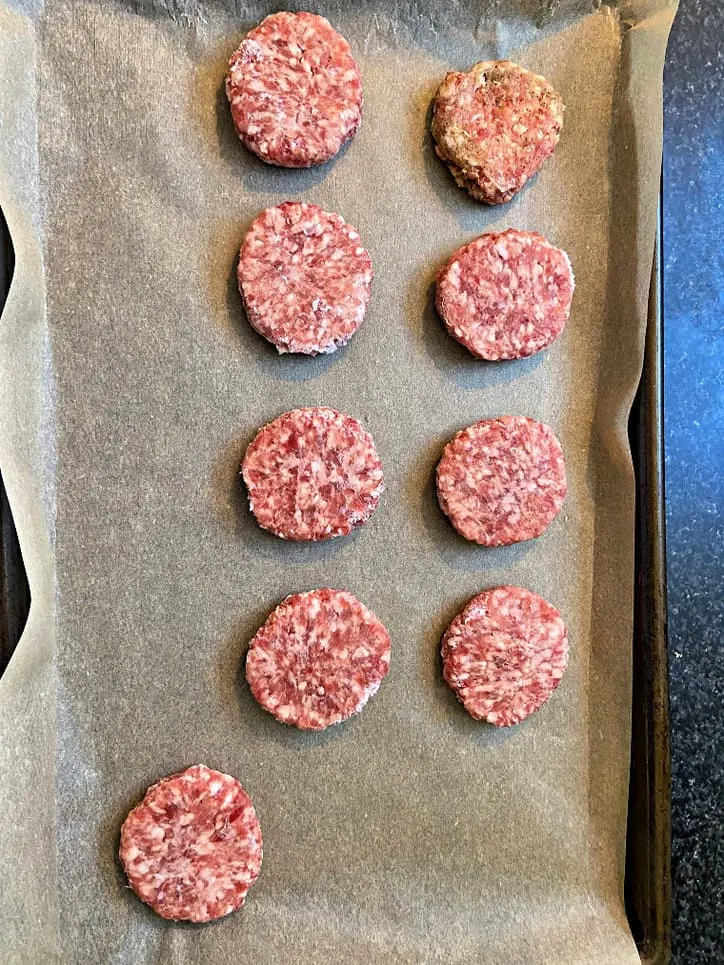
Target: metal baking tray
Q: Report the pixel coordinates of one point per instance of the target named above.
(648, 881)
(14, 592)
(648, 844)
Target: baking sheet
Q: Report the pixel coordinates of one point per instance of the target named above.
(130, 384)
(647, 884)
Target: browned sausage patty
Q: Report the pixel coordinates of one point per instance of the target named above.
(495, 126)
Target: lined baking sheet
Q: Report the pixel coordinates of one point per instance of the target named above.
(130, 384)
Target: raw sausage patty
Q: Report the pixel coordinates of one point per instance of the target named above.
(304, 278)
(295, 90)
(506, 296)
(192, 848)
(505, 654)
(502, 481)
(495, 126)
(312, 474)
(318, 659)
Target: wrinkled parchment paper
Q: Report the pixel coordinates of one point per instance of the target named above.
(130, 384)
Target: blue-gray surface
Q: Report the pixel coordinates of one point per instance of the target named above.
(694, 398)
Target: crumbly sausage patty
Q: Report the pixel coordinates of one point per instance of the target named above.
(318, 659)
(312, 474)
(505, 654)
(502, 480)
(304, 277)
(295, 90)
(506, 295)
(192, 848)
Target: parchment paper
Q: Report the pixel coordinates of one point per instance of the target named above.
(130, 384)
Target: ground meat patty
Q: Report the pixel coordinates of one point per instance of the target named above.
(502, 480)
(506, 296)
(505, 654)
(304, 278)
(312, 474)
(318, 659)
(495, 126)
(192, 848)
(295, 90)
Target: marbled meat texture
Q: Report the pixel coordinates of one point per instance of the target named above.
(192, 848)
(318, 659)
(495, 126)
(507, 295)
(505, 654)
(502, 480)
(312, 474)
(295, 90)
(304, 277)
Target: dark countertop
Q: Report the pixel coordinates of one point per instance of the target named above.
(694, 436)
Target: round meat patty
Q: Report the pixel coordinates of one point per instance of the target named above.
(505, 654)
(495, 126)
(295, 90)
(312, 474)
(506, 296)
(318, 659)
(192, 848)
(502, 481)
(304, 278)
